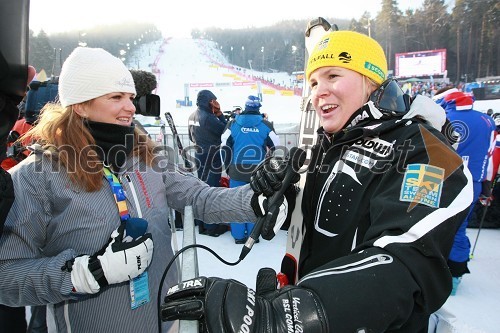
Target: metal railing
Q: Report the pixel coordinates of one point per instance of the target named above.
(189, 266)
(287, 140)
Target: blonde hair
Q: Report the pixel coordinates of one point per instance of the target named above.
(61, 130)
(369, 86)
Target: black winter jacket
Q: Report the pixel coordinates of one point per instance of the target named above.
(382, 202)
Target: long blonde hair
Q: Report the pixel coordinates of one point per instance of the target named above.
(63, 131)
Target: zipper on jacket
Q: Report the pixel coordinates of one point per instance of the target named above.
(375, 260)
(134, 194)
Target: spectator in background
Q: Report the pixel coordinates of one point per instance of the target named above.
(492, 217)
(475, 143)
(205, 126)
(245, 143)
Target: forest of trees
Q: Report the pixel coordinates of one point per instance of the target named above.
(49, 52)
(469, 31)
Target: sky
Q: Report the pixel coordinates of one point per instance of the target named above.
(177, 18)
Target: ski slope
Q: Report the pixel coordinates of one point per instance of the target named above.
(183, 61)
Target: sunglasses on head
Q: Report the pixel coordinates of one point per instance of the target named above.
(390, 98)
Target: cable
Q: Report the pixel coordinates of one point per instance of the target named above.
(170, 264)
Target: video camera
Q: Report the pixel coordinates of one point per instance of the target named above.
(147, 105)
(228, 115)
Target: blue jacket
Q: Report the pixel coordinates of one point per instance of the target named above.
(205, 130)
(245, 143)
(476, 137)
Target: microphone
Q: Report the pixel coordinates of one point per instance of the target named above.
(296, 158)
(135, 227)
(145, 82)
(146, 103)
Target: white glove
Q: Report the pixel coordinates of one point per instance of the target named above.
(118, 262)
(275, 216)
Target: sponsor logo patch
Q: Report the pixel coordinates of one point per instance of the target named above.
(249, 130)
(375, 69)
(359, 159)
(422, 183)
(375, 146)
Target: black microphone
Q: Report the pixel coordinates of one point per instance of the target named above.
(296, 158)
(145, 82)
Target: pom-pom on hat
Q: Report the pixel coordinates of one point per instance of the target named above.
(351, 50)
(89, 73)
(252, 103)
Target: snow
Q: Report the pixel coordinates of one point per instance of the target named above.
(182, 61)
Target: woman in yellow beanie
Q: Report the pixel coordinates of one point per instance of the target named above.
(383, 197)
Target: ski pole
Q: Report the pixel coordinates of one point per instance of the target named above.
(177, 140)
(482, 219)
(478, 231)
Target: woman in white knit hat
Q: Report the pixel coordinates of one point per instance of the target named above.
(92, 175)
(382, 200)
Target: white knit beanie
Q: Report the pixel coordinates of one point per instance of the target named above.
(89, 73)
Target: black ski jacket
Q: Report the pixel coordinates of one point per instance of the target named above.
(382, 202)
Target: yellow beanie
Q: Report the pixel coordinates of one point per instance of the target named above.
(351, 50)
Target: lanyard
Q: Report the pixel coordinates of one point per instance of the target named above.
(118, 193)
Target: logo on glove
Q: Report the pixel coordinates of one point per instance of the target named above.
(248, 318)
(194, 283)
(274, 164)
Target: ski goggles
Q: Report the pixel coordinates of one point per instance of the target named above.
(390, 98)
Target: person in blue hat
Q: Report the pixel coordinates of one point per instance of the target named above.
(246, 141)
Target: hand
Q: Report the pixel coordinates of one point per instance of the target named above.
(267, 182)
(485, 200)
(9, 113)
(117, 262)
(269, 174)
(275, 215)
(227, 306)
(6, 196)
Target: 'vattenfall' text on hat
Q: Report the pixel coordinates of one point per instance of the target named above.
(351, 50)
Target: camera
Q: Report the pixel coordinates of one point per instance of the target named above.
(147, 105)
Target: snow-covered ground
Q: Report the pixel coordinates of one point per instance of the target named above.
(184, 61)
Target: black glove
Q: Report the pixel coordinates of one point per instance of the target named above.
(269, 175)
(8, 117)
(269, 200)
(6, 196)
(227, 306)
(485, 198)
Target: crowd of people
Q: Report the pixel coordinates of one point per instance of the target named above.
(386, 200)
